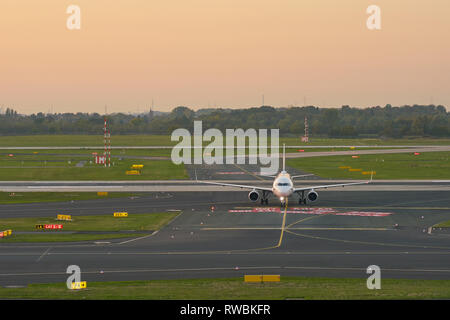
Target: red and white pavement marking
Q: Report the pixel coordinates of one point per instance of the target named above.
(291, 210)
(302, 210)
(364, 214)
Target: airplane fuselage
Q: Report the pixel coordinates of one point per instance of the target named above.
(283, 186)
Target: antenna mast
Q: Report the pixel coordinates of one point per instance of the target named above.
(305, 138)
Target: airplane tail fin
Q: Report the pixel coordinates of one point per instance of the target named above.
(284, 157)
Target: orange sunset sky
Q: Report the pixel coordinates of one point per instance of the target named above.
(224, 53)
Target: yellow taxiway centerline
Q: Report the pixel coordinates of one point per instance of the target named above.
(248, 172)
(284, 223)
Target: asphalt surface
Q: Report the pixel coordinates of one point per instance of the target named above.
(340, 235)
(328, 240)
(243, 174)
(202, 185)
(171, 147)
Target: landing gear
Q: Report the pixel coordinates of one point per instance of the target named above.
(302, 198)
(264, 198)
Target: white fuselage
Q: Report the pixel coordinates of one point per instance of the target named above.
(283, 186)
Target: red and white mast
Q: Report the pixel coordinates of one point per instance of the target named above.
(104, 140)
(305, 138)
(107, 142)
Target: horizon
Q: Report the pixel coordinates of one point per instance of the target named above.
(3, 109)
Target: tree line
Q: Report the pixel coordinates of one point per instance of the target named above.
(344, 122)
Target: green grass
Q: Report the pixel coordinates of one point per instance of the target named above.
(30, 197)
(62, 156)
(37, 157)
(101, 223)
(291, 150)
(83, 140)
(429, 165)
(364, 142)
(46, 237)
(74, 154)
(445, 224)
(153, 170)
(134, 221)
(61, 164)
(236, 289)
(164, 140)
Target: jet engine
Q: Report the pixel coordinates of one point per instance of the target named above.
(253, 195)
(312, 196)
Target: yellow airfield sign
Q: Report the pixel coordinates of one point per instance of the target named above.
(6, 233)
(78, 285)
(120, 214)
(65, 217)
(133, 172)
(262, 278)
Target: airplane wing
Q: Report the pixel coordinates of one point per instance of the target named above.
(301, 176)
(236, 185)
(329, 186)
(232, 185)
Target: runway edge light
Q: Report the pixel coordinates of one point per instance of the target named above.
(6, 233)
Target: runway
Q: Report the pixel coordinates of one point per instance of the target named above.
(339, 236)
(179, 186)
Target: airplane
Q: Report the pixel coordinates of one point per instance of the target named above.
(283, 187)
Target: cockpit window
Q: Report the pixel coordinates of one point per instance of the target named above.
(281, 184)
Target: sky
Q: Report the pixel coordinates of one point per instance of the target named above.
(221, 53)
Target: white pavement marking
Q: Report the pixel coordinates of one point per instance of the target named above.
(299, 228)
(244, 252)
(196, 187)
(228, 147)
(73, 187)
(229, 269)
(42, 255)
(155, 232)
